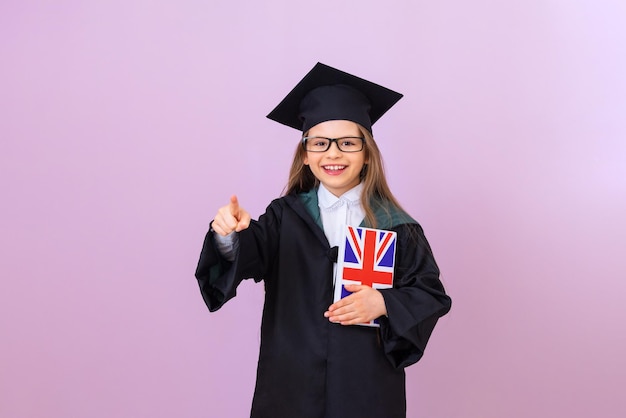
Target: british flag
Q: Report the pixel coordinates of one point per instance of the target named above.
(366, 257)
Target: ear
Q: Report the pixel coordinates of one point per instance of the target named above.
(305, 160)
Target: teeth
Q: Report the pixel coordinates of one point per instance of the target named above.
(334, 167)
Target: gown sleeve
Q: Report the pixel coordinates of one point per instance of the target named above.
(416, 301)
(219, 278)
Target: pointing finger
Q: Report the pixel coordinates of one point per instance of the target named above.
(233, 206)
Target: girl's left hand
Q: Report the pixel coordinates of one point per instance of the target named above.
(362, 306)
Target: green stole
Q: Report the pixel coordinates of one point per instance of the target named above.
(387, 215)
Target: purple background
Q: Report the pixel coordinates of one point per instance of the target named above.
(124, 125)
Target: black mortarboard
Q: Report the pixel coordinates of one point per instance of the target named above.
(326, 93)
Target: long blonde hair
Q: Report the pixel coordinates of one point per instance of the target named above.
(375, 187)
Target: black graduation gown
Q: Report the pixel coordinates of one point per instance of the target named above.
(309, 367)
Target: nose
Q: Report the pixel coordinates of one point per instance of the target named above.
(334, 150)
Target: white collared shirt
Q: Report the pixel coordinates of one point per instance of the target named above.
(338, 212)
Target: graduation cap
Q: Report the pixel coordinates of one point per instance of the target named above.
(326, 93)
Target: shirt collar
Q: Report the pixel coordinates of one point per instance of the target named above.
(326, 199)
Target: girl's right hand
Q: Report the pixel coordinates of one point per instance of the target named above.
(231, 218)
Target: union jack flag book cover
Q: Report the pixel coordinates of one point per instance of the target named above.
(366, 257)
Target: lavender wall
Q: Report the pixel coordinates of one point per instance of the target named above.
(125, 124)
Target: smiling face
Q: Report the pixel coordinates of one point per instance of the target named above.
(338, 171)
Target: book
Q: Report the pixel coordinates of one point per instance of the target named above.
(366, 257)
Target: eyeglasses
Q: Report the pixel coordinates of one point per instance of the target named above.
(322, 144)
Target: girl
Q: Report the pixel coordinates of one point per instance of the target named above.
(314, 360)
